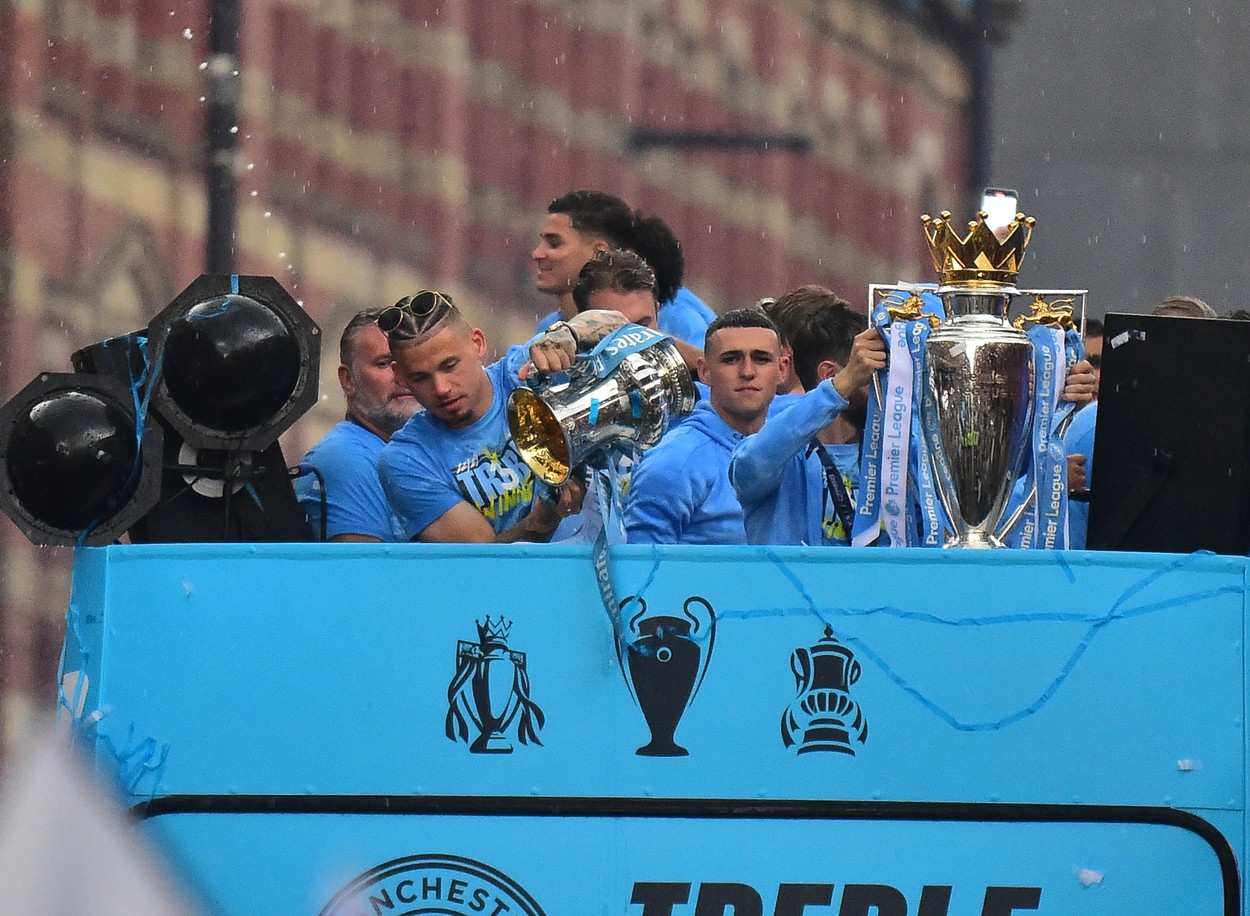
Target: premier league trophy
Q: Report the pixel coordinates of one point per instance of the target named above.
(624, 393)
(977, 400)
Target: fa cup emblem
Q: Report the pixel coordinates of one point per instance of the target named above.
(491, 689)
(824, 717)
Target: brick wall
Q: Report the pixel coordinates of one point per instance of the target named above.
(388, 144)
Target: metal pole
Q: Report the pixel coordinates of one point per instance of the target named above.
(221, 129)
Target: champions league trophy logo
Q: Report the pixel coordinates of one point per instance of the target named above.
(977, 404)
(490, 688)
(824, 717)
(664, 662)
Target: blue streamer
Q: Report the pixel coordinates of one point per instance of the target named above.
(136, 761)
(1096, 621)
(635, 403)
(593, 419)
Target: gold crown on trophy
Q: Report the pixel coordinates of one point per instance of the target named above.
(981, 258)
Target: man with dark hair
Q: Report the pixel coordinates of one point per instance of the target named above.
(453, 473)
(795, 477)
(680, 491)
(683, 315)
(818, 326)
(346, 459)
(577, 225)
(622, 281)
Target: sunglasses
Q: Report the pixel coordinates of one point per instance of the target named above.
(401, 317)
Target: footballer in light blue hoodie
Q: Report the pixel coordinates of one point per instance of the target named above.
(680, 491)
(796, 477)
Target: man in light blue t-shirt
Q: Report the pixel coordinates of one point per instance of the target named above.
(453, 473)
(339, 490)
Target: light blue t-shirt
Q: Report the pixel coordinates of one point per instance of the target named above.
(347, 458)
(427, 467)
(781, 484)
(686, 317)
(1079, 440)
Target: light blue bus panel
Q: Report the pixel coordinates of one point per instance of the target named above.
(904, 733)
(748, 857)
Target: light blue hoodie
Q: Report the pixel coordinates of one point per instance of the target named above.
(781, 486)
(680, 492)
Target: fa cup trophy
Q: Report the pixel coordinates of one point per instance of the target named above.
(977, 400)
(625, 393)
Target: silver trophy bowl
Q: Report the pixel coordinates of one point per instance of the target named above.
(977, 411)
(560, 427)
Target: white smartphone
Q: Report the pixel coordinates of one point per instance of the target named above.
(1000, 204)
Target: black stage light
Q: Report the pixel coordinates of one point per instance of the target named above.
(237, 362)
(76, 467)
(169, 433)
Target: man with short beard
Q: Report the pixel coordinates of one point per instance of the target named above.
(346, 459)
(454, 474)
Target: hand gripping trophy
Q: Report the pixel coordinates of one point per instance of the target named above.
(622, 395)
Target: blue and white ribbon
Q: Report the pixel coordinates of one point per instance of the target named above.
(896, 434)
(613, 349)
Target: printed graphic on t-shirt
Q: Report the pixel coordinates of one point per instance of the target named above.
(831, 526)
(495, 482)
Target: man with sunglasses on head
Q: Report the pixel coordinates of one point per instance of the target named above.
(452, 473)
(340, 491)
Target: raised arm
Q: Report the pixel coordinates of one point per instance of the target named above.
(557, 349)
(755, 467)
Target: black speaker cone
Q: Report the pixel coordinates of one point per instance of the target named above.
(231, 363)
(71, 458)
